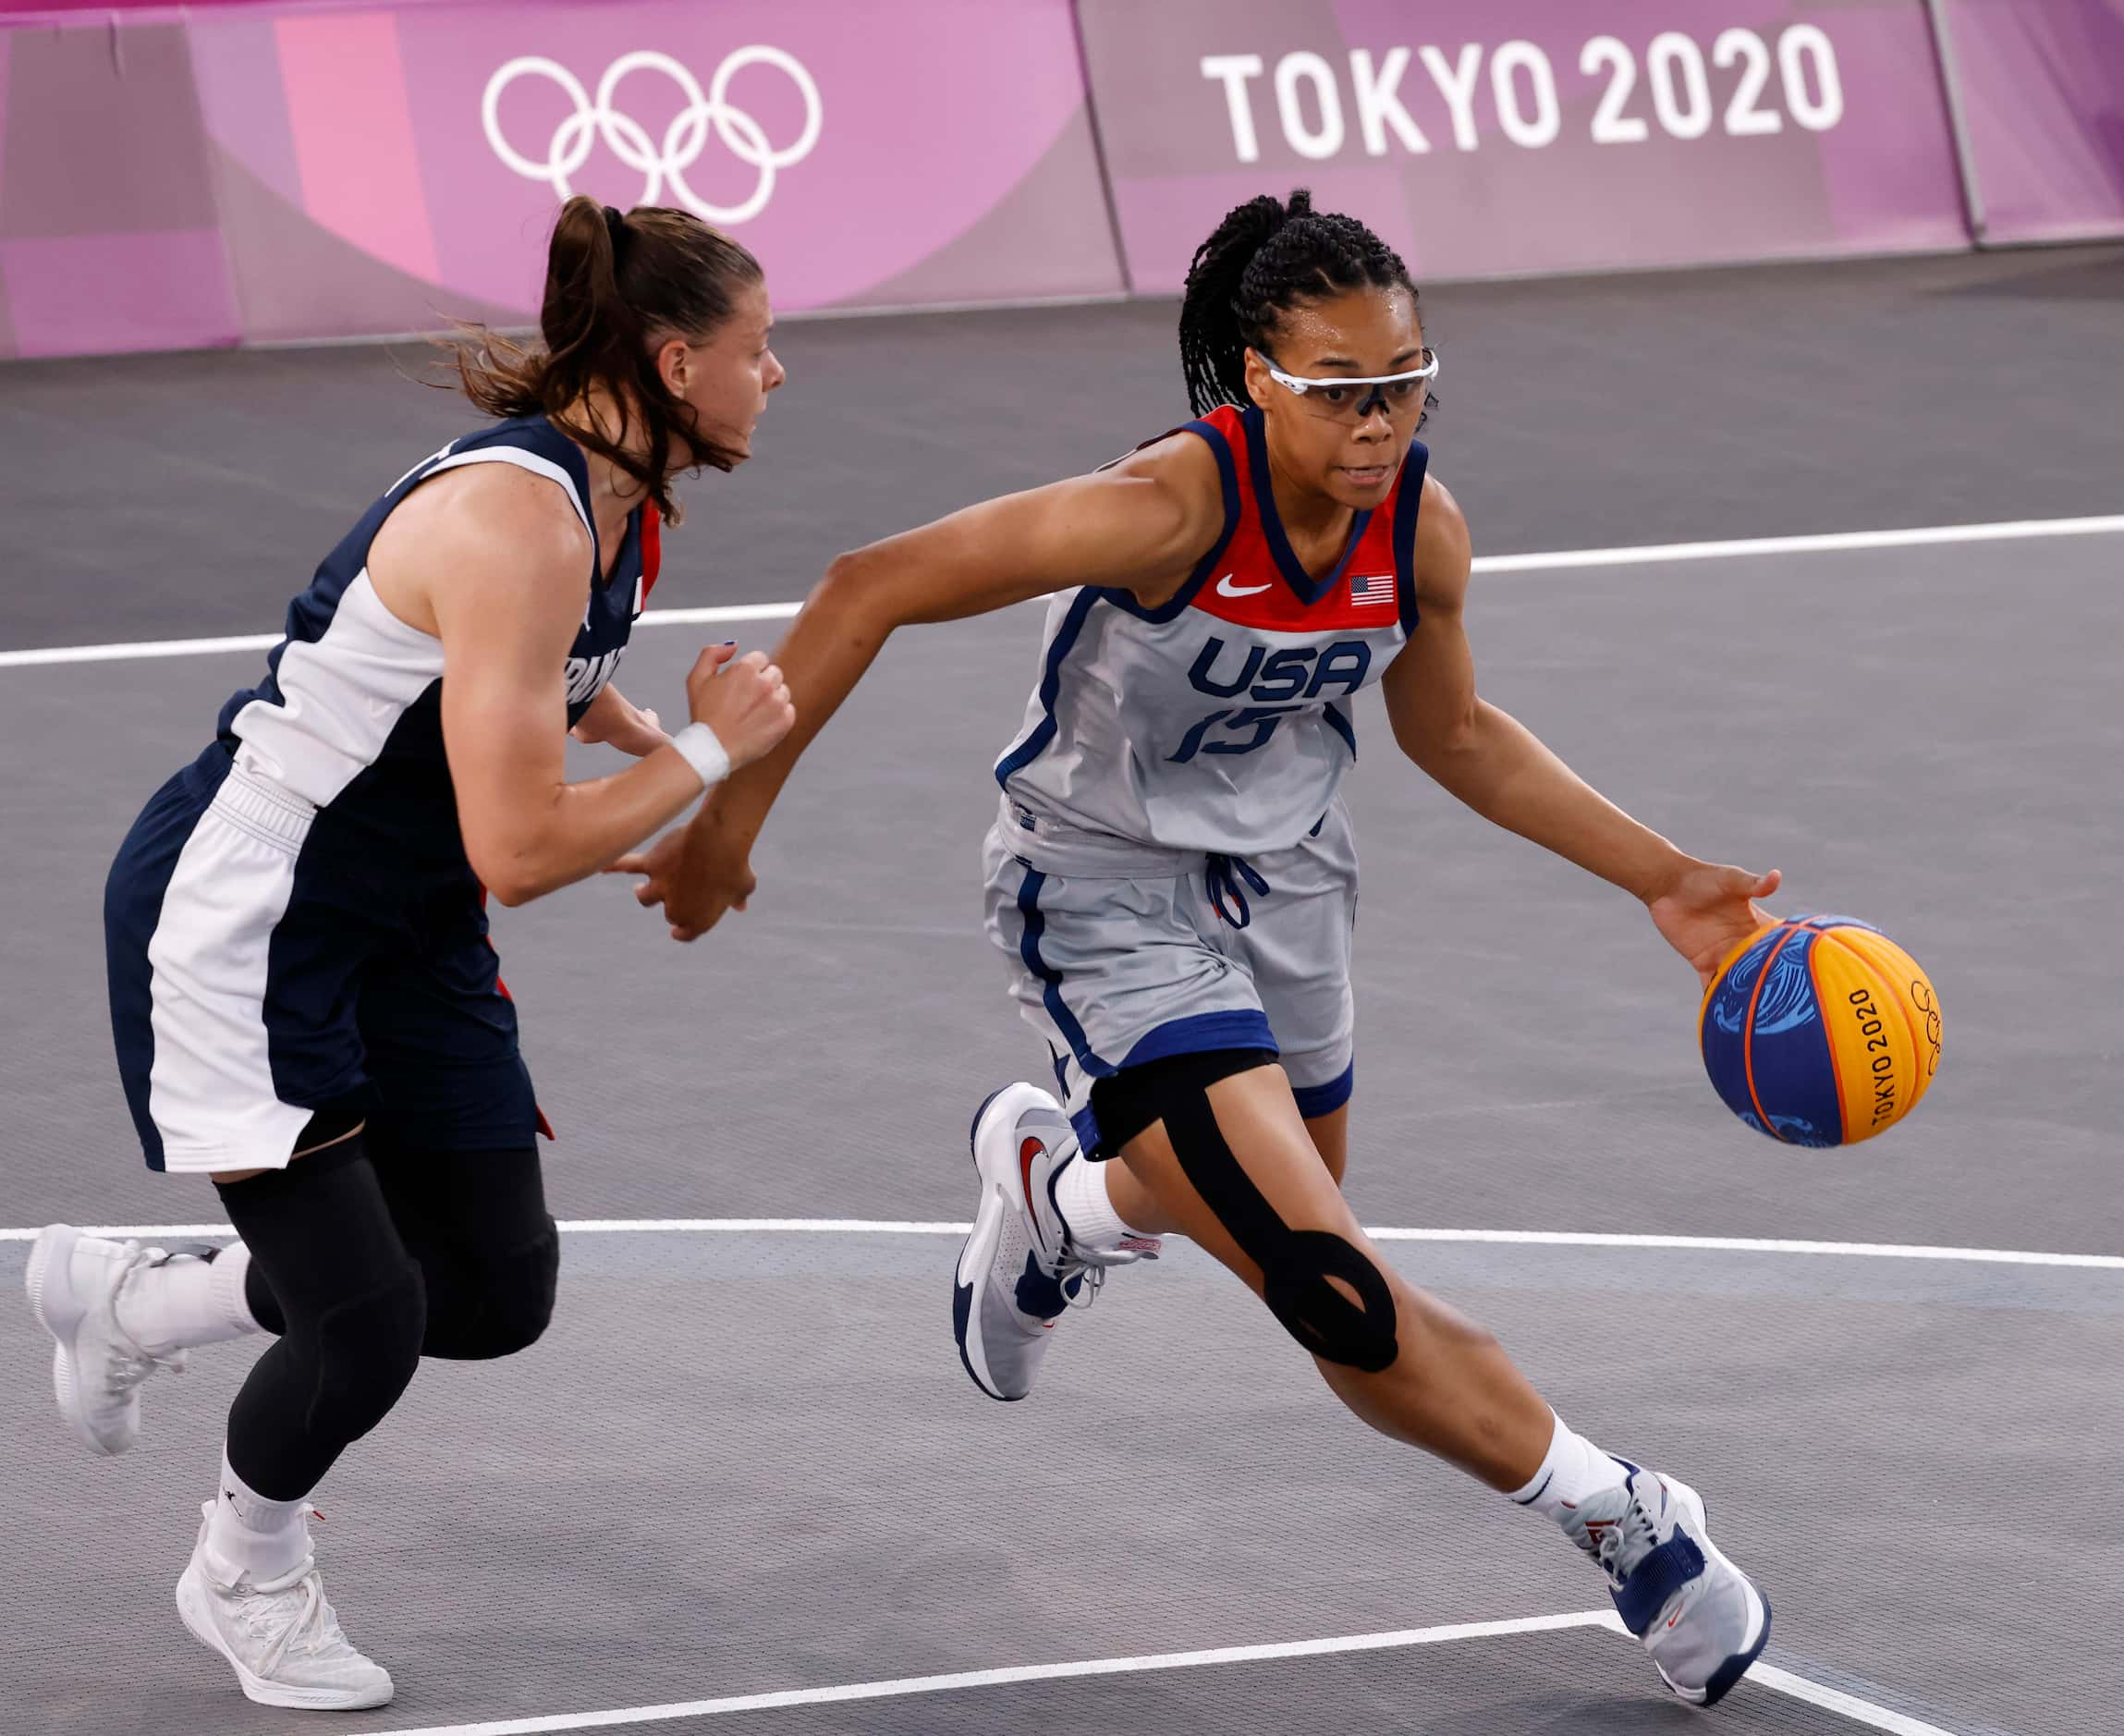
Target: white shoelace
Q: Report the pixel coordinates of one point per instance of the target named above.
(268, 1608)
(304, 1624)
(1091, 1265)
(1619, 1539)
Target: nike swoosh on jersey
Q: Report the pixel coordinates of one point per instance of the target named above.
(1227, 589)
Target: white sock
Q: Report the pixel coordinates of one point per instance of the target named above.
(246, 1532)
(1574, 1468)
(1080, 1192)
(188, 1300)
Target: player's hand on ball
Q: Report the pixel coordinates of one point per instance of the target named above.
(1707, 910)
(743, 700)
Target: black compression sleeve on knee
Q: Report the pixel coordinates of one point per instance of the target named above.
(1135, 1097)
(257, 1287)
(264, 1304)
(352, 1311)
(478, 1224)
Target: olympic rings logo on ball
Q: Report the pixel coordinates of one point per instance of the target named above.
(684, 140)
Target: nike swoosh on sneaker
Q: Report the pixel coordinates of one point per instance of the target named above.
(1028, 1150)
(1227, 589)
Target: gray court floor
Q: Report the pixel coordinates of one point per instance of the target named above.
(748, 1460)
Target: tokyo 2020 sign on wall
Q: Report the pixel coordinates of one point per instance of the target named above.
(174, 177)
(1486, 137)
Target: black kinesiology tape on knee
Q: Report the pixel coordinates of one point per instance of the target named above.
(1296, 1264)
(1135, 1097)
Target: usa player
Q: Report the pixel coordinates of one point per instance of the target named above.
(305, 1002)
(1172, 882)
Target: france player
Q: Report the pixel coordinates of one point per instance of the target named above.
(305, 1002)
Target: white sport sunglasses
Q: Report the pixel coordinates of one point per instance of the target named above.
(1343, 396)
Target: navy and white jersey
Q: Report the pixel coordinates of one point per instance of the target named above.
(348, 718)
(1219, 723)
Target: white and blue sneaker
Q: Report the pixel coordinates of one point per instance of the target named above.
(1020, 1268)
(1702, 1619)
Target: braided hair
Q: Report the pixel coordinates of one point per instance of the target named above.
(1266, 258)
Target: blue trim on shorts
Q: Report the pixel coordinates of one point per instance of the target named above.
(1197, 1033)
(1236, 1028)
(1028, 949)
(1339, 720)
(1317, 1100)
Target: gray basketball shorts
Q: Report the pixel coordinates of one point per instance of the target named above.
(1228, 953)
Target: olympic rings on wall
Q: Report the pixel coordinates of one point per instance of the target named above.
(662, 164)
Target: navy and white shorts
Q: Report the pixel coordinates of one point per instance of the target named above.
(1114, 969)
(267, 965)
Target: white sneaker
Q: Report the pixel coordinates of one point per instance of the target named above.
(74, 1280)
(279, 1636)
(1703, 1619)
(1020, 1268)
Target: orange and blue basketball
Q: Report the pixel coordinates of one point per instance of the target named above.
(1820, 1030)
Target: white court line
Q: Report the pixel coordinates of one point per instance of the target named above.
(1023, 1673)
(721, 612)
(1531, 1237)
(1784, 1681)
(138, 648)
(266, 641)
(1834, 543)
(1837, 1700)
(1657, 554)
(1757, 1244)
(1764, 1675)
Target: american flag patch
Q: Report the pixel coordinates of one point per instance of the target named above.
(1376, 587)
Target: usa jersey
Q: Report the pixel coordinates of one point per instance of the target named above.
(1218, 722)
(348, 718)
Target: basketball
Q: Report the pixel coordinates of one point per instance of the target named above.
(1820, 1030)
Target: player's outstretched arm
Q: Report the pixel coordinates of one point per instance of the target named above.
(1502, 770)
(499, 570)
(1139, 526)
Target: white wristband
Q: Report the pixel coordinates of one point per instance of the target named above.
(704, 753)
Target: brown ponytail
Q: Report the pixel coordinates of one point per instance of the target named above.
(617, 286)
